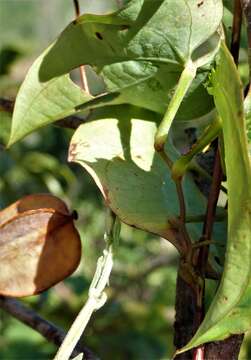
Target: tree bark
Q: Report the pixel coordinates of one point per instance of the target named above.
(185, 316)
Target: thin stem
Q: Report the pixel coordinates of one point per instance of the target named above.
(236, 33)
(82, 71)
(210, 213)
(200, 244)
(246, 5)
(178, 188)
(200, 218)
(77, 7)
(182, 204)
(45, 328)
(187, 77)
(181, 165)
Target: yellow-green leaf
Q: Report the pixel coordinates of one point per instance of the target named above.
(230, 311)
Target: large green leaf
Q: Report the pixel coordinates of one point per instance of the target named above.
(142, 49)
(39, 104)
(118, 152)
(230, 311)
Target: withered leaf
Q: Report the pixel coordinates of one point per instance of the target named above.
(33, 202)
(39, 245)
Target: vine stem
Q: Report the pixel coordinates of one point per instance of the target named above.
(236, 33)
(183, 163)
(186, 78)
(97, 298)
(182, 204)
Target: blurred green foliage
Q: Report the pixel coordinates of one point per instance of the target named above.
(136, 322)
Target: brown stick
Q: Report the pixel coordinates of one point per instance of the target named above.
(45, 328)
(77, 7)
(210, 215)
(236, 33)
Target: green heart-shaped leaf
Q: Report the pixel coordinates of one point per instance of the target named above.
(118, 152)
(163, 32)
(139, 51)
(142, 49)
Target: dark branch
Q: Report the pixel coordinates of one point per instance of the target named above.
(70, 122)
(210, 213)
(77, 8)
(48, 330)
(236, 33)
(246, 5)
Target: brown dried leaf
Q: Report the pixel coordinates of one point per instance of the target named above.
(33, 202)
(38, 246)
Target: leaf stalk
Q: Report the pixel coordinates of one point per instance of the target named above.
(186, 78)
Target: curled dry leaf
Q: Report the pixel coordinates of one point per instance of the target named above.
(39, 245)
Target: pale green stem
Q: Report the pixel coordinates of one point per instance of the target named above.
(97, 298)
(181, 165)
(187, 77)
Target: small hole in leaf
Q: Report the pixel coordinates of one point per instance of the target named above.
(99, 36)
